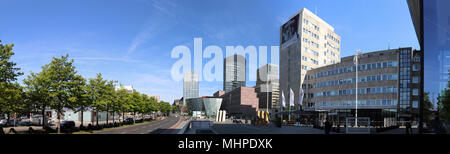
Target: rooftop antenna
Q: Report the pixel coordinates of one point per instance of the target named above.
(315, 10)
(389, 45)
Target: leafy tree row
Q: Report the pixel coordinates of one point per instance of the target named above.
(59, 87)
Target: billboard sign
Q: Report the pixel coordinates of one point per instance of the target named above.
(289, 31)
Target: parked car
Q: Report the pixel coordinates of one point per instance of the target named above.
(128, 121)
(3, 122)
(25, 123)
(67, 125)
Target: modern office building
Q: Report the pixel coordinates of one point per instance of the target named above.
(242, 101)
(267, 86)
(431, 19)
(388, 84)
(306, 42)
(234, 72)
(190, 86)
(205, 105)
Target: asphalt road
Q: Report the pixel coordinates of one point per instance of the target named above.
(155, 127)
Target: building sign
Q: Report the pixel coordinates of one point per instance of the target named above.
(289, 32)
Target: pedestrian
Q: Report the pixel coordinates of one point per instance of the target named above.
(327, 126)
(408, 128)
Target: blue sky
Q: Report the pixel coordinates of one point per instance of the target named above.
(131, 41)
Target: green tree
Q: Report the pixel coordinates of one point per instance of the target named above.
(122, 101)
(81, 96)
(427, 107)
(444, 104)
(10, 92)
(63, 84)
(13, 100)
(98, 92)
(37, 88)
(109, 98)
(135, 104)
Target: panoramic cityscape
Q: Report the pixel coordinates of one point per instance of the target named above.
(194, 67)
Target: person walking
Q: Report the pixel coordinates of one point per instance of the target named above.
(327, 126)
(408, 128)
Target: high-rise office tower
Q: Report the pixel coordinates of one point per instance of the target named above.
(267, 86)
(190, 86)
(306, 42)
(234, 72)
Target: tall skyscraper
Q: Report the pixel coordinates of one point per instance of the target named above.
(234, 72)
(190, 86)
(306, 42)
(267, 86)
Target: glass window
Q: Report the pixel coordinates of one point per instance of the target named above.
(415, 67)
(415, 104)
(415, 79)
(415, 92)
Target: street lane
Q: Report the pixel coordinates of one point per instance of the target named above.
(155, 127)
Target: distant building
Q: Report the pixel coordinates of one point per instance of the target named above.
(190, 86)
(219, 93)
(129, 89)
(205, 105)
(242, 101)
(267, 86)
(176, 102)
(234, 72)
(154, 96)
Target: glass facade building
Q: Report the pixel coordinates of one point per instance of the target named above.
(234, 72)
(190, 86)
(209, 106)
(431, 19)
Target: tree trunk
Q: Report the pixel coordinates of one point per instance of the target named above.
(43, 118)
(82, 117)
(123, 116)
(59, 122)
(96, 116)
(114, 113)
(107, 114)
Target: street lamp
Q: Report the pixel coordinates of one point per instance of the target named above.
(355, 60)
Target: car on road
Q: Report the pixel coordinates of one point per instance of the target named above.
(67, 125)
(128, 121)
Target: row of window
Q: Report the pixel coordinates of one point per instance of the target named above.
(310, 42)
(331, 45)
(306, 22)
(361, 67)
(308, 32)
(330, 52)
(377, 102)
(360, 91)
(360, 79)
(333, 38)
(315, 53)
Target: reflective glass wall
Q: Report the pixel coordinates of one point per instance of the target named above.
(436, 20)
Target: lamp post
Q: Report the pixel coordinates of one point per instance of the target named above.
(356, 99)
